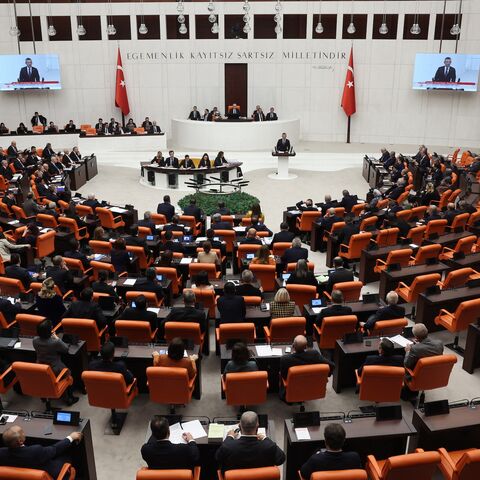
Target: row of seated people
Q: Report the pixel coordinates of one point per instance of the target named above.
(114, 128)
(21, 160)
(187, 162)
(233, 111)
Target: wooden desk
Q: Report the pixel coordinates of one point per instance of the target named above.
(471, 358)
(472, 261)
(139, 358)
(349, 357)
(91, 166)
(291, 219)
(270, 364)
(428, 307)
(456, 430)
(332, 251)
(389, 280)
(448, 239)
(316, 237)
(78, 176)
(83, 458)
(364, 435)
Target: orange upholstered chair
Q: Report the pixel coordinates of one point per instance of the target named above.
(83, 210)
(143, 261)
(38, 129)
(264, 473)
(357, 209)
(235, 331)
(227, 236)
(4, 324)
(151, 297)
(170, 386)
(86, 329)
(416, 234)
(100, 247)
(418, 286)
(418, 466)
(334, 228)
(284, 329)
(207, 297)
(435, 227)
(243, 250)
(463, 245)
(335, 328)
(305, 220)
(430, 373)
(184, 330)
(38, 380)
(266, 275)
(368, 223)
(20, 214)
(71, 225)
(458, 278)
(418, 213)
(158, 218)
(353, 250)
(356, 474)
(465, 314)
(170, 474)
(399, 257)
(350, 290)
(227, 218)
(172, 274)
(85, 126)
(4, 388)
(210, 268)
(306, 382)
(386, 237)
(28, 323)
(76, 264)
(189, 221)
(460, 464)
(444, 198)
(380, 384)
(47, 221)
(453, 196)
(389, 327)
(459, 223)
(245, 388)
(16, 473)
(37, 286)
(252, 300)
(426, 252)
(473, 220)
(108, 390)
(135, 330)
(280, 247)
(107, 220)
(404, 215)
(302, 294)
(45, 245)
(292, 266)
(99, 266)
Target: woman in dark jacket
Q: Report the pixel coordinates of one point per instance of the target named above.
(302, 275)
(48, 303)
(119, 256)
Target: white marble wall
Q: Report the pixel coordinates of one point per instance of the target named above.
(388, 110)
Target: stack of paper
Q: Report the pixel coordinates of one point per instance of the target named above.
(195, 428)
(277, 352)
(215, 431)
(302, 434)
(186, 260)
(264, 350)
(153, 309)
(130, 282)
(118, 210)
(400, 340)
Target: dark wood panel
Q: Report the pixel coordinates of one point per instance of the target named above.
(360, 22)
(152, 22)
(122, 25)
(203, 28)
(443, 32)
(25, 27)
(329, 22)
(423, 21)
(392, 23)
(264, 26)
(236, 83)
(295, 25)
(93, 27)
(234, 26)
(173, 26)
(63, 26)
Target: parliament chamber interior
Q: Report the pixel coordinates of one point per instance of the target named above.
(239, 240)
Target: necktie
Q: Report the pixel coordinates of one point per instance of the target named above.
(446, 70)
(29, 71)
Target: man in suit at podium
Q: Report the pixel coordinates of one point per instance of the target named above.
(446, 73)
(271, 115)
(154, 128)
(38, 119)
(283, 144)
(194, 114)
(28, 73)
(171, 160)
(258, 115)
(234, 112)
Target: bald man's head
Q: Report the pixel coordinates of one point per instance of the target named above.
(420, 331)
(299, 343)
(13, 437)
(249, 423)
(252, 233)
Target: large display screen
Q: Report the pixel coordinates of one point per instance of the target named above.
(443, 71)
(26, 72)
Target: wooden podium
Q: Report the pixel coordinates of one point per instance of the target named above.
(282, 166)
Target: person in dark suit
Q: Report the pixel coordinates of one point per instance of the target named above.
(60, 274)
(133, 240)
(397, 190)
(386, 356)
(446, 73)
(284, 235)
(259, 116)
(222, 209)
(9, 199)
(250, 450)
(259, 227)
(92, 202)
(84, 307)
(107, 363)
(451, 213)
(161, 454)
(283, 144)
(194, 114)
(193, 210)
(251, 238)
(233, 112)
(38, 119)
(339, 275)
(348, 201)
(139, 312)
(391, 311)
(31, 207)
(12, 150)
(10, 310)
(174, 226)
(188, 313)
(295, 253)
(432, 214)
(187, 162)
(217, 223)
(423, 346)
(302, 275)
(327, 204)
(119, 256)
(147, 222)
(166, 208)
(28, 73)
(48, 151)
(149, 283)
(171, 160)
(336, 309)
(220, 159)
(70, 127)
(5, 170)
(14, 270)
(154, 128)
(171, 244)
(271, 115)
(385, 155)
(38, 457)
(231, 306)
(75, 252)
(392, 221)
(306, 206)
(101, 285)
(345, 233)
(246, 289)
(332, 457)
(329, 219)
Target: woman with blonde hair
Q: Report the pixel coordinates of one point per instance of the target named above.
(48, 303)
(282, 306)
(256, 211)
(99, 234)
(263, 257)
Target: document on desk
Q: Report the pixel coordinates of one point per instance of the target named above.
(264, 350)
(302, 434)
(9, 418)
(176, 433)
(118, 210)
(400, 340)
(295, 212)
(130, 282)
(240, 229)
(195, 428)
(186, 260)
(277, 352)
(153, 309)
(317, 310)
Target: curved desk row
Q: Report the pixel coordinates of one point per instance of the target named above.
(233, 136)
(176, 178)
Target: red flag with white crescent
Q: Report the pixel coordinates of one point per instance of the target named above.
(348, 97)
(121, 98)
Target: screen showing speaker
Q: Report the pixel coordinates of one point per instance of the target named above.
(27, 72)
(444, 71)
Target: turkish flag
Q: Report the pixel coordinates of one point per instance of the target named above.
(348, 97)
(121, 98)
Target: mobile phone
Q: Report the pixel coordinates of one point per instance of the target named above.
(3, 420)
